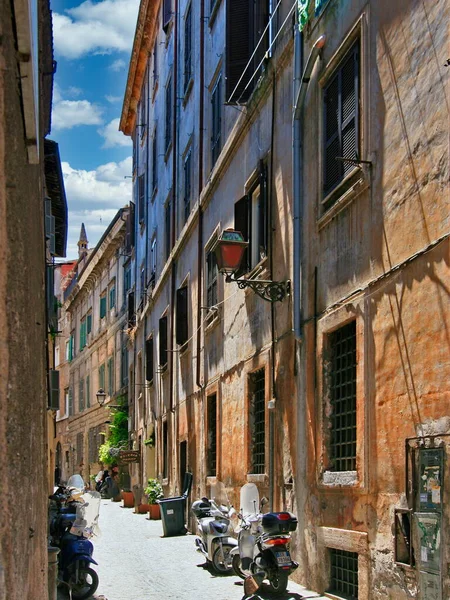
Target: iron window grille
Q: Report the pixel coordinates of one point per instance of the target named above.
(343, 397)
(341, 122)
(216, 124)
(187, 47)
(212, 436)
(344, 574)
(258, 421)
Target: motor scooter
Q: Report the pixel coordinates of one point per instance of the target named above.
(214, 529)
(263, 544)
(71, 528)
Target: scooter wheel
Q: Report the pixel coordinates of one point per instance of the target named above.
(237, 566)
(85, 585)
(278, 582)
(221, 558)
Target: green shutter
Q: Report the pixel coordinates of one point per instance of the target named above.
(89, 324)
(102, 307)
(101, 376)
(88, 391)
(112, 297)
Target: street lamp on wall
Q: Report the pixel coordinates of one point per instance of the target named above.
(229, 250)
(101, 396)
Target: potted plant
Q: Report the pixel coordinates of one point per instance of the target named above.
(154, 492)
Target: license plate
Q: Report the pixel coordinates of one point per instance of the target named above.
(283, 558)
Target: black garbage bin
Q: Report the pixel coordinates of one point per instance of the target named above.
(173, 510)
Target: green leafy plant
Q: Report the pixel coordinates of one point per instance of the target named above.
(150, 441)
(153, 491)
(109, 452)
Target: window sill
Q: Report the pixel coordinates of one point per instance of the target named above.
(339, 479)
(187, 92)
(347, 191)
(257, 478)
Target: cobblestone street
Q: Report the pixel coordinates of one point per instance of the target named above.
(136, 563)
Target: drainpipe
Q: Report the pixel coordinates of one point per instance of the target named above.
(200, 187)
(300, 87)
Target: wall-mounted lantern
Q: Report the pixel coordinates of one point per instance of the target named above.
(229, 250)
(101, 396)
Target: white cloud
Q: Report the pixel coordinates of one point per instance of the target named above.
(74, 91)
(117, 65)
(70, 113)
(113, 137)
(99, 28)
(114, 99)
(94, 198)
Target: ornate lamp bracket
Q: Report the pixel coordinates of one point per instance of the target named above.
(272, 291)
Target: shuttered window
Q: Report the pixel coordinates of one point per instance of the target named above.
(242, 221)
(182, 316)
(341, 121)
(168, 124)
(81, 395)
(79, 448)
(167, 14)
(129, 231)
(163, 342)
(216, 123)
(211, 279)
(154, 160)
(110, 376)
(103, 306)
(149, 359)
(131, 311)
(187, 47)
(89, 323)
(187, 185)
(141, 193)
(88, 391)
(101, 376)
(82, 334)
(167, 217)
(70, 401)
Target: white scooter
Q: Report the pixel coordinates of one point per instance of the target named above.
(214, 529)
(263, 545)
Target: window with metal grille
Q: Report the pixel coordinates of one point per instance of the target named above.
(187, 47)
(216, 121)
(163, 342)
(168, 129)
(141, 201)
(258, 421)
(341, 122)
(79, 448)
(343, 397)
(211, 279)
(187, 185)
(344, 574)
(211, 439)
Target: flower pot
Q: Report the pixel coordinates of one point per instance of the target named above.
(128, 499)
(143, 508)
(154, 511)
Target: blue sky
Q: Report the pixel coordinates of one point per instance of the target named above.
(92, 45)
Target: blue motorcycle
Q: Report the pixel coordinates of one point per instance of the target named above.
(71, 528)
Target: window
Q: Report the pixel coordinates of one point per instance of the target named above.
(245, 28)
(257, 421)
(88, 391)
(187, 47)
(211, 279)
(101, 376)
(163, 342)
(167, 14)
(126, 280)
(167, 215)
(181, 325)
(124, 362)
(131, 311)
(187, 186)
(216, 121)
(344, 573)
(82, 333)
(341, 122)
(79, 448)
(153, 257)
(342, 382)
(129, 229)
(154, 161)
(110, 376)
(142, 284)
(141, 199)
(89, 323)
(72, 346)
(112, 295)
(165, 433)
(211, 436)
(68, 350)
(81, 395)
(149, 359)
(66, 402)
(168, 124)
(103, 305)
(250, 218)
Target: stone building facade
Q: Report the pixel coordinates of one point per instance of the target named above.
(32, 232)
(96, 348)
(335, 400)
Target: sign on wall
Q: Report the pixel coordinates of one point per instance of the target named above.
(129, 456)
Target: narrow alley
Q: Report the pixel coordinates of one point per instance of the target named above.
(136, 563)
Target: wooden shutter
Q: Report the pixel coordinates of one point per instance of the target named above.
(163, 342)
(149, 359)
(103, 306)
(181, 325)
(53, 385)
(167, 14)
(238, 48)
(242, 224)
(341, 100)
